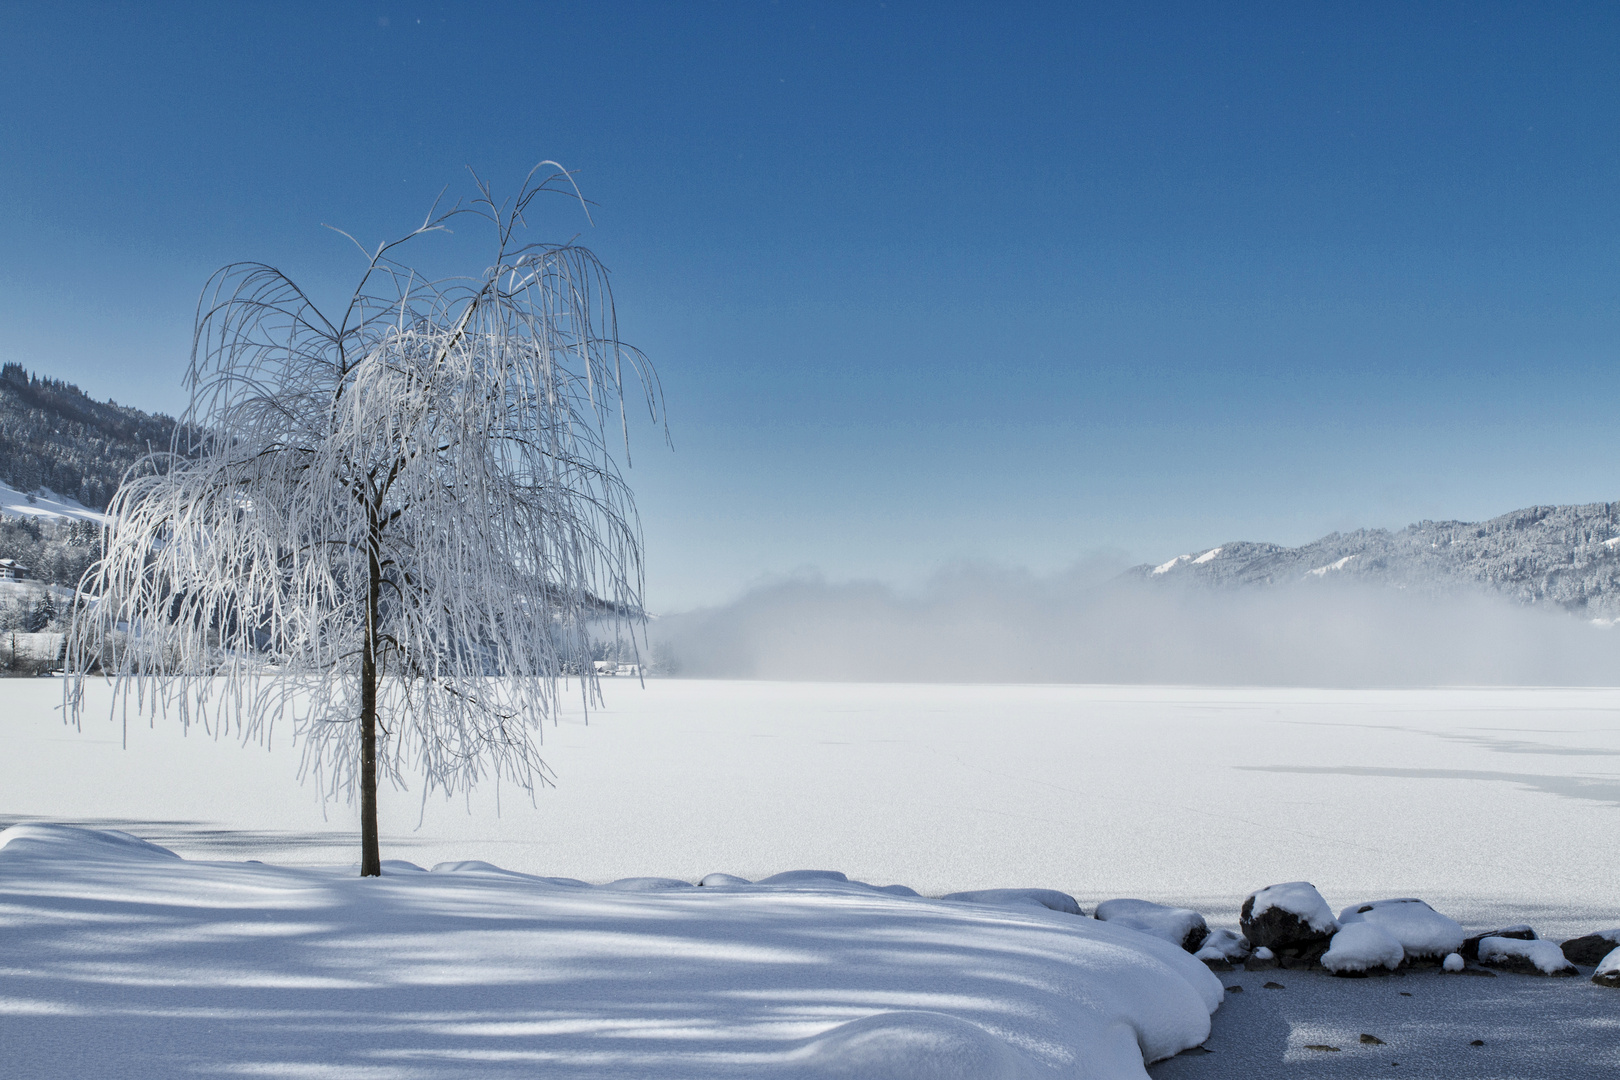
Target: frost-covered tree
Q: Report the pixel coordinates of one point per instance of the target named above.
(393, 526)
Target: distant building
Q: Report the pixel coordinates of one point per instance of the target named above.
(12, 570)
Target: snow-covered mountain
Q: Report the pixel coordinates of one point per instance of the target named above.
(1563, 555)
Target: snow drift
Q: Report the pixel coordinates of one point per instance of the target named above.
(124, 960)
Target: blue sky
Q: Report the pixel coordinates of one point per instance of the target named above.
(924, 283)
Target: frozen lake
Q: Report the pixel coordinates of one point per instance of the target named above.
(1493, 804)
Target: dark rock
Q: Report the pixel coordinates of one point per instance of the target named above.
(1608, 978)
(1477, 1042)
(1587, 951)
(1371, 1040)
(1234, 989)
(1470, 946)
(1323, 1047)
(1275, 986)
(1281, 930)
(1259, 963)
(1486, 972)
(1215, 964)
(1539, 958)
(1520, 965)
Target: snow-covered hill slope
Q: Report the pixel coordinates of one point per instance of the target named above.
(1563, 555)
(44, 505)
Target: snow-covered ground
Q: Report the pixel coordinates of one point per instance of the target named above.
(1495, 806)
(123, 960)
(44, 504)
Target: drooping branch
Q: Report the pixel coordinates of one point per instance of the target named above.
(426, 475)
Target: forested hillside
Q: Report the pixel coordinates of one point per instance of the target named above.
(53, 435)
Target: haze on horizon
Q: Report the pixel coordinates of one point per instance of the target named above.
(926, 285)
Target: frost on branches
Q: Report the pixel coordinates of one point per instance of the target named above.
(394, 527)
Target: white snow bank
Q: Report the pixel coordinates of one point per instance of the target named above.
(1421, 930)
(1298, 898)
(1609, 965)
(1050, 899)
(1340, 564)
(69, 842)
(1546, 956)
(1206, 556)
(1179, 926)
(1453, 962)
(915, 1046)
(1362, 946)
(472, 971)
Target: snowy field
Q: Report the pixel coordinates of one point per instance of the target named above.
(1495, 805)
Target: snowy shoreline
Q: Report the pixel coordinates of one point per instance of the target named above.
(122, 959)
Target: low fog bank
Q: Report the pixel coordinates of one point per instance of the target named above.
(979, 624)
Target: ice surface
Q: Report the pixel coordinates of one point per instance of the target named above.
(1190, 796)
(1299, 898)
(1545, 955)
(123, 960)
(1422, 931)
(1178, 926)
(1532, 1028)
(1362, 946)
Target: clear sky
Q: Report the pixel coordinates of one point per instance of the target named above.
(924, 283)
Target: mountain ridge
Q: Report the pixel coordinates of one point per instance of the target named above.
(1568, 556)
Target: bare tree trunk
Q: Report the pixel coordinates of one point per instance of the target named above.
(370, 854)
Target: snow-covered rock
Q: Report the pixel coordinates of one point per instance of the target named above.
(800, 877)
(1360, 947)
(1423, 932)
(1223, 948)
(1590, 948)
(715, 881)
(1179, 926)
(647, 884)
(1527, 957)
(1519, 932)
(1050, 899)
(1291, 918)
(821, 977)
(1260, 959)
(1608, 970)
(1453, 963)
